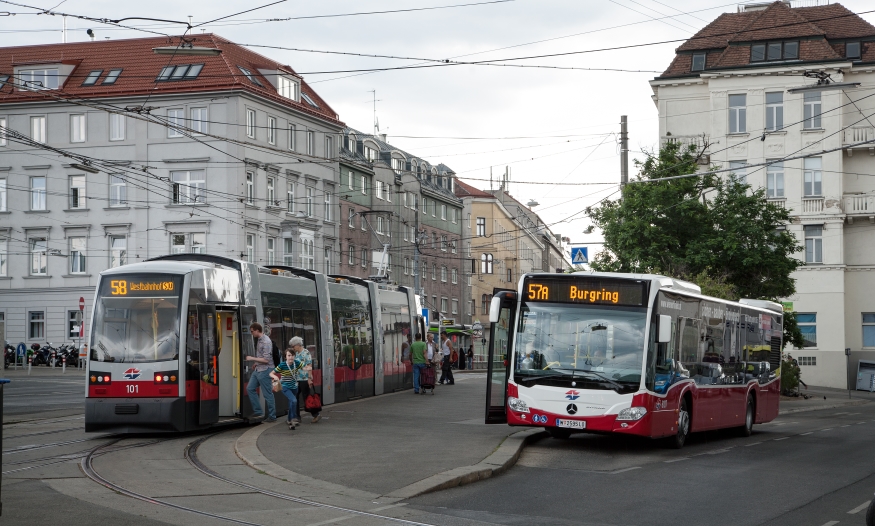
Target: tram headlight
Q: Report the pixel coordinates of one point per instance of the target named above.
(517, 405)
(632, 413)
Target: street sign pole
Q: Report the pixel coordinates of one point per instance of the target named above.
(848, 369)
(81, 331)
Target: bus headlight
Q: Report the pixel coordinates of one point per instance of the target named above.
(517, 405)
(632, 413)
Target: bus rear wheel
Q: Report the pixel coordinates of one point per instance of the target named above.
(561, 434)
(678, 440)
(750, 413)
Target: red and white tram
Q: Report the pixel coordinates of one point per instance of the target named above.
(634, 354)
(169, 337)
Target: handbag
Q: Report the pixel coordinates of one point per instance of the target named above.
(313, 403)
(276, 386)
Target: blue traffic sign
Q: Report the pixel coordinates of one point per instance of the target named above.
(21, 349)
(579, 255)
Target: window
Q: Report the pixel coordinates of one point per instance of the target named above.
(271, 192)
(775, 180)
(813, 243)
(807, 360)
(737, 113)
(35, 79)
(738, 171)
(812, 177)
(329, 147)
(250, 188)
(307, 258)
(250, 124)
(350, 182)
(469, 221)
(455, 275)
(351, 218)
(471, 307)
(398, 165)
(198, 243)
(808, 325)
(178, 72)
(380, 229)
(455, 214)
(289, 252)
(698, 62)
(118, 251)
(116, 127)
(2, 195)
(252, 78)
(351, 256)
(311, 138)
(327, 260)
(271, 130)
(481, 226)
(433, 272)
(38, 129)
(453, 245)
(175, 123)
(92, 77)
(292, 131)
(811, 110)
(364, 185)
(774, 51)
(38, 253)
(484, 303)
(434, 239)
(486, 263)
(37, 193)
(189, 187)
(77, 255)
(868, 329)
(443, 243)
(271, 251)
(309, 202)
(369, 153)
(195, 243)
(444, 305)
(455, 306)
(2, 131)
(199, 120)
(290, 198)
(774, 111)
(77, 191)
(77, 128)
(444, 212)
(364, 258)
(328, 205)
(433, 208)
(406, 266)
(4, 255)
(434, 302)
(852, 50)
(287, 88)
(443, 274)
(250, 248)
(509, 277)
(380, 190)
(424, 206)
(113, 74)
(73, 324)
(37, 328)
(177, 244)
(308, 100)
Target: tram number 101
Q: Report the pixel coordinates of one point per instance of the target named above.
(133, 388)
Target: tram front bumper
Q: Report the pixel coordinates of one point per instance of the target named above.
(135, 415)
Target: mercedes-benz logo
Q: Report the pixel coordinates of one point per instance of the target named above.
(572, 409)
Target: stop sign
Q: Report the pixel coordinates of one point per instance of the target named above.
(81, 303)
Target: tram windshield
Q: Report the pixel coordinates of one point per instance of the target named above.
(595, 347)
(136, 318)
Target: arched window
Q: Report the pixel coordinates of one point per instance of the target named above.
(486, 263)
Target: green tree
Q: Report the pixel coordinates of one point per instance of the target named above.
(718, 233)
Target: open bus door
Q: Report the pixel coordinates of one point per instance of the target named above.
(501, 315)
(208, 383)
(248, 316)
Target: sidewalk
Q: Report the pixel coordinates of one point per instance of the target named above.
(42, 370)
(824, 398)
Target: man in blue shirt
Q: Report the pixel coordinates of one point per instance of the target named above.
(263, 360)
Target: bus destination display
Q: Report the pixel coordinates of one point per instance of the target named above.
(594, 291)
(139, 285)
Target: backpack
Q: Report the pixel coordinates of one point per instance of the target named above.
(276, 354)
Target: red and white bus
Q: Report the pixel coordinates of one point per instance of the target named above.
(636, 354)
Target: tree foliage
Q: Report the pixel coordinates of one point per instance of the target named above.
(716, 232)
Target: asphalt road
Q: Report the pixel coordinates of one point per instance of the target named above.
(38, 394)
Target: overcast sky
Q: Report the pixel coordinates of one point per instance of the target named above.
(568, 119)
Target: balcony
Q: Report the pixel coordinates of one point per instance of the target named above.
(780, 201)
(859, 205)
(812, 205)
(699, 141)
(852, 138)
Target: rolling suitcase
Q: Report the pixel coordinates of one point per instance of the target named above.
(426, 379)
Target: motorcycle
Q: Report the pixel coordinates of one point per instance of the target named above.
(8, 355)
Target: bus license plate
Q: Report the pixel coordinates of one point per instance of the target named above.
(572, 424)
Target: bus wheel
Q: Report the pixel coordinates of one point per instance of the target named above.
(561, 434)
(749, 416)
(678, 440)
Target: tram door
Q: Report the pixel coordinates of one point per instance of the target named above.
(229, 363)
(208, 412)
(248, 316)
(274, 326)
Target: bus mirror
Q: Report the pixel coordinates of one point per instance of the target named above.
(494, 309)
(664, 328)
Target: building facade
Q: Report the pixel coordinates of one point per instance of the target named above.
(729, 88)
(118, 153)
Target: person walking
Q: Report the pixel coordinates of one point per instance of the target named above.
(304, 363)
(433, 355)
(446, 351)
(418, 357)
(470, 356)
(263, 360)
(287, 375)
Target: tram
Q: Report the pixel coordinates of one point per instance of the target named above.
(170, 337)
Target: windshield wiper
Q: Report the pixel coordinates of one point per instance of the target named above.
(535, 378)
(601, 377)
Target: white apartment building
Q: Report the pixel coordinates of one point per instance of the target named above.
(729, 86)
(117, 151)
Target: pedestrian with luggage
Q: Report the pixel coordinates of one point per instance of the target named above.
(446, 351)
(304, 362)
(418, 357)
(287, 375)
(263, 360)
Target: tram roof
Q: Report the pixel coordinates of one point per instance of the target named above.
(159, 267)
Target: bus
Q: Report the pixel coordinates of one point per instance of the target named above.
(633, 354)
(170, 336)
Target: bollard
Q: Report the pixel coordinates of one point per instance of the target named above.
(29, 364)
(53, 359)
(64, 365)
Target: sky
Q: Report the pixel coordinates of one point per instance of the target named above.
(555, 130)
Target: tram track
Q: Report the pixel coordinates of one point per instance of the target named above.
(34, 447)
(59, 459)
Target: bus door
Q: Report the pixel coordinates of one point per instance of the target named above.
(208, 412)
(501, 316)
(248, 316)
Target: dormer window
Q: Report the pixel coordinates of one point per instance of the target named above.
(698, 62)
(37, 79)
(250, 76)
(113, 74)
(370, 153)
(309, 100)
(852, 50)
(398, 165)
(287, 88)
(92, 77)
(178, 72)
(774, 51)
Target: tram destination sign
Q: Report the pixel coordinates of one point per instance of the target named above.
(588, 290)
(139, 285)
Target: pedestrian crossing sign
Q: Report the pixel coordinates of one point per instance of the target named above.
(579, 255)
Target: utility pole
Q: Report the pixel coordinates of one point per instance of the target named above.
(417, 271)
(624, 151)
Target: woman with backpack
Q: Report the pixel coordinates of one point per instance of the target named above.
(305, 381)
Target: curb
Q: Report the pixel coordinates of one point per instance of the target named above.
(499, 461)
(849, 403)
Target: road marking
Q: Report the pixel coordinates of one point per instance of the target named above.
(716, 452)
(827, 429)
(808, 433)
(858, 423)
(754, 444)
(846, 425)
(844, 413)
(388, 507)
(831, 523)
(853, 413)
(624, 470)
(782, 438)
(860, 508)
(676, 460)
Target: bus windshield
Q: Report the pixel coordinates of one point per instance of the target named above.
(602, 347)
(136, 319)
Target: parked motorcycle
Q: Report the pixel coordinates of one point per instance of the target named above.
(8, 355)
